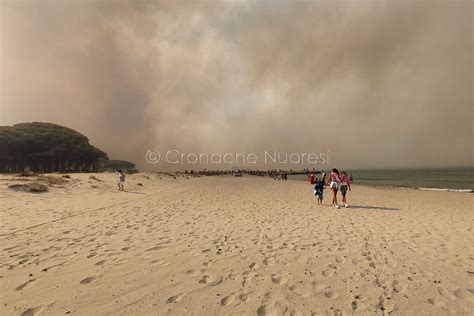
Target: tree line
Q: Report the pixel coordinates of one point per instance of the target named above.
(46, 147)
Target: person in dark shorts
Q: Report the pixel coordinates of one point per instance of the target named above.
(345, 185)
(318, 191)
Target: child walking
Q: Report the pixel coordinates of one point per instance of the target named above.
(318, 191)
(121, 180)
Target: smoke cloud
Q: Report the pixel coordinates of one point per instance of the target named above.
(377, 83)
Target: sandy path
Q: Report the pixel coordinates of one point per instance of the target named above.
(234, 246)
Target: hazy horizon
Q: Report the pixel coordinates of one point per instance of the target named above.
(378, 84)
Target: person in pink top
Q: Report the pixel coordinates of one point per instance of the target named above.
(345, 184)
(334, 182)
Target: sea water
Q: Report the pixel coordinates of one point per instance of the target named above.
(445, 179)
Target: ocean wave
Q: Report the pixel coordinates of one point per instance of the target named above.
(447, 190)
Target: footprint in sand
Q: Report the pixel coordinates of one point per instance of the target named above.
(175, 298)
(333, 266)
(446, 294)
(397, 287)
(253, 266)
(330, 293)
(229, 299)
(215, 281)
(33, 311)
(301, 290)
(99, 263)
(279, 279)
(92, 254)
(88, 280)
(272, 307)
(268, 309)
(206, 279)
(358, 304)
(192, 272)
(247, 280)
(465, 294)
(233, 276)
(386, 305)
(269, 261)
(355, 261)
(317, 287)
(244, 297)
(435, 302)
(389, 261)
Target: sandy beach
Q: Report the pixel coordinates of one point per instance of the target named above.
(232, 246)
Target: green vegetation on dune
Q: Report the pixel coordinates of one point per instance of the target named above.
(46, 147)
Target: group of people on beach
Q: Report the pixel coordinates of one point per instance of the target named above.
(336, 181)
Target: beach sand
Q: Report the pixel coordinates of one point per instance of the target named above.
(232, 246)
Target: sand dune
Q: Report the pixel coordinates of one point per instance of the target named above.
(232, 246)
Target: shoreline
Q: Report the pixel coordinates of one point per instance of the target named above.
(405, 187)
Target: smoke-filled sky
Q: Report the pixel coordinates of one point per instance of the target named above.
(377, 83)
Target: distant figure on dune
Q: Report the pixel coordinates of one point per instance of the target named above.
(334, 183)
(121, 180)
(318, 191)
(345, 184)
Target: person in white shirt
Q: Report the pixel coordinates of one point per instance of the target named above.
(121, 180)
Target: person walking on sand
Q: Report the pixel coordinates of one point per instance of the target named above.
(121, 180)
(334, 183)
(311, 179)
(345, 184)
(318, 191)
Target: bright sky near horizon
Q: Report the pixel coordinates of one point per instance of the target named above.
(377, 83)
